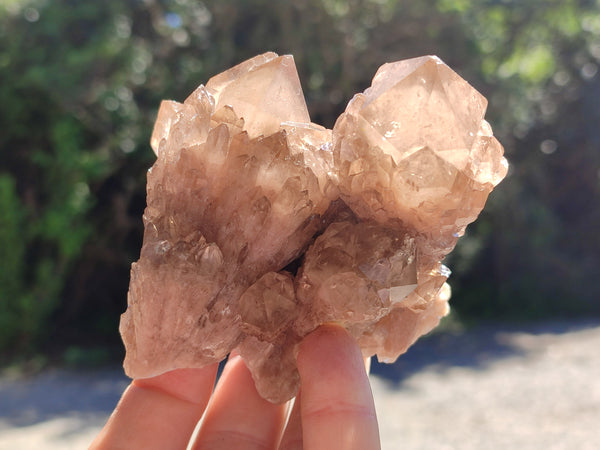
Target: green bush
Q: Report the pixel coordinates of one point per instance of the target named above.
(80, 83)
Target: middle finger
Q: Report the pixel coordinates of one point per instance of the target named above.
(237, 416)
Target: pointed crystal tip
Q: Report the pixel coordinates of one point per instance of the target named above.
(264, 91)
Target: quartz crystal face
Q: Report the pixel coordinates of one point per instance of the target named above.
(260, 225)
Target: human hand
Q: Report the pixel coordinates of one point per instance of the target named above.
(334, 410)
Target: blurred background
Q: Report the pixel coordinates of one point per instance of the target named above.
(81, 81)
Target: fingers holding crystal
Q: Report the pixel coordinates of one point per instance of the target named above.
(261, 226)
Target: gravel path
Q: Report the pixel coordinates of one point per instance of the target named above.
(493, 387)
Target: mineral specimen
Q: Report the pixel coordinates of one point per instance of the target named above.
(260, 225)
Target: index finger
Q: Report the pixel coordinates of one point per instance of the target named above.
(337, 407)
(160, 412)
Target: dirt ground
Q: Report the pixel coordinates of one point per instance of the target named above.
(492, 387)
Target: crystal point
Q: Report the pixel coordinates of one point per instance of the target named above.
(260, 225)
(265, 91)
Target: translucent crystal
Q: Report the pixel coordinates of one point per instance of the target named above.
(265, 91)
(260, 225)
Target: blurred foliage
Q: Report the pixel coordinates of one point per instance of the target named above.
(80, 82)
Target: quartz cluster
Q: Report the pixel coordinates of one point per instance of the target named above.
(261, 225)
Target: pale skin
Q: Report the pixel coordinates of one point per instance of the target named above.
(335, 409)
